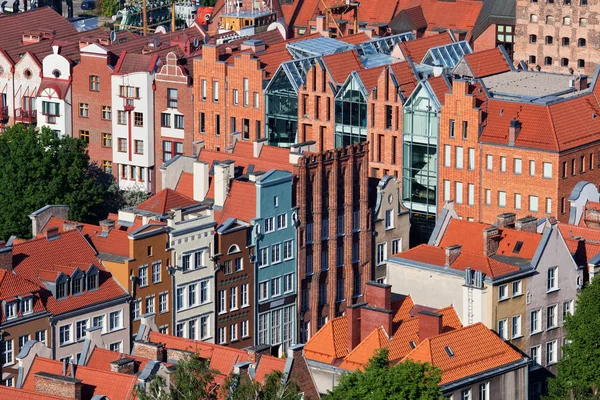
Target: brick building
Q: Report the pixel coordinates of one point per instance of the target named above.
(334, 233)
(558, 36)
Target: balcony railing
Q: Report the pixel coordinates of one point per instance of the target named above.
(3, 113)
(26, 116)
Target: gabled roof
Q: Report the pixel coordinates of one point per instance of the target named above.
(131, 62)
(459, 15)
(440, 87)
(405, 77)
(7, 392)
(369, 77)
(340, 65)
(164, 201)
(475, 349)
(417, 49)
(115, 386)
(409, 19)
(240, 202)
(101, 359)
(266, 365)
(487, 62)
(330, 342)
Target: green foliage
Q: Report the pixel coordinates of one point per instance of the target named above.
(37, 168)
(109, 7)
(192, 379)
(381, 381)
(578, 375)
(241, 387)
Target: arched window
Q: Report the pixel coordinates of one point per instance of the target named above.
(580, 63)
(532, 60)
(549, 40)
(234, 248)
(567, 21)
(532, 38)
(564, 62)
(549, 20)
(581, 42)
(533, 18)
(582, 22)
(547, 60)
(565, 41)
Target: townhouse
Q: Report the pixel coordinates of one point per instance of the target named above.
(421, 334)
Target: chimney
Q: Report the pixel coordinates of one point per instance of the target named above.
(490, 241)
(257, 146)
(296, 351)
(513, 131)
(6, 257)
(210, 52)
(201, 180)
(52, 233)
(255, 45)
(107, 225)
(221, 181)
(123, 366)
(452, 253)
(527, 224)
(197, 148)
(254, 352)
(57, 385)
(379, 295)
(581, 83)
(321, 28)
(241, 368)
(506, 220)
(430, 324)
(149, 350)
(353, 317)
(71, 226)
(235, 136)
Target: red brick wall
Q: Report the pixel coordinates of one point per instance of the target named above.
(487, 40)
(566, 185)
(98, 66)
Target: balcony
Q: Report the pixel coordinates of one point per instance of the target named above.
(3, 113)
(26, 116)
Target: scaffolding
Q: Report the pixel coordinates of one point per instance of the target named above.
(342, 7)
(147, 16)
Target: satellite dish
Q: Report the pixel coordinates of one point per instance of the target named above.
(196, 42)
(207, 17)
(113, 36)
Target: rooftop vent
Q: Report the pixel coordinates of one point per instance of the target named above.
(518, 246)
(412, 344)
(449, 351)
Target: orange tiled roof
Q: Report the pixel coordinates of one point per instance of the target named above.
(240, 202)
(487, 62)
(440, 87)
(405, 76)
(356, 38)
(70, 247)
(164, 201)
(185, 184)
(417, 49)
(266, 365)
(271, 157)
(330, 342)
(370, 76)
(361, 354)
(476, 349)
(456, 15)
(113, 385)
(340, 65)
(101, 359)
(7, 392)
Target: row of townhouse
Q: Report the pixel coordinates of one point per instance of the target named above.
(519, 277)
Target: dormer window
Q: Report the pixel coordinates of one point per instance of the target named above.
(77, 286)
(27, 305)
(61, 290)
(92, 282)
(11, 310)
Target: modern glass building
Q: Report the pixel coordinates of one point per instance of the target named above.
(351, 112)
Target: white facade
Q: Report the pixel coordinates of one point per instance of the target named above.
(133, 129)
(54, 99)
(19, 84)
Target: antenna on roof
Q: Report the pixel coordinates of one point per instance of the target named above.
(196, 42)
(113, 36)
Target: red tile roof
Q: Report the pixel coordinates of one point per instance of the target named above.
(405, 76)
(113, 385)
(266, 365)
(185, 184)
(240, 202)
(369, 77)
(12, 285)
(475, 349)
(440, 87)
(417, 49)
(487, 62)
(340, 65)
(69, 248)
(417, 16)
(12, 393)
(101, 359)
(130, 62)
(456, 15)
(164, 201)
(330, 342)
(271, 157)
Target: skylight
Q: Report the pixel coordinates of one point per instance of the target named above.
(518, 246)
(446, 56)
(449, 351)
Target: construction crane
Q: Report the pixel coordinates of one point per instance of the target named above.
(146, 16)
(340, 8)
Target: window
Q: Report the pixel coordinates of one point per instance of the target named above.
(502, 329)
(122, 143)
(163, 302)
(547, 60)
(40, 336)
(389, 220)
(244, 328)
(322, 294)
(288, 249)
(85, 136)
(564, 62)
(269, 224)
(191, 296)
(536, 321)
(502, 164)
(276, 287)
(116, 346)
(567, 21)
(459, 192)
(516, 326)
(517, 201)
(139, 146)
(459, 157)
(447, 194)
(552, 279)
(447, 155)
(533, 18)
(275, 253)
(204, 327)
(263, 326)
(451, 128)
(532, 39)
(138, 119)
(263, 257)
(532, 60)
(121, 117)
(263, 290)
(107, 140)
(547, 170)
(216, 91)
(185, 262)
(548, 205)
(179, 121)
(471, 161)
(465, 129)
(130, 92)
(233, 332)
(244, 294)
(465, 394)
(517, 288)
(204, 292)
(94, 83)
(22, 340)
(549, 19)
(533, 203)
(552, 317)
(171, 149)
(222, 333)
(581, 42)
(282, 221)
(381, 253)
(565, 41)
(136, 308)
(256, 104)
(115, 320)
(172, 98)
(488, 196)
(502, 292)
(106, 112)
(179, 298)
(567, 309)
(222, 301)
(535, 353)
(551, 352)
(7, 352)
(549, 40)
(288, 283)
(64, 334)
(203, 86)
(165, 120)
(501, 199)
(581, 63)
(143, 275)
(518, 167)
(80, 328)
(11, 310)
(61, 291)
(233, 304)
(489, 162)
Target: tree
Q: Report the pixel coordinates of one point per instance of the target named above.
(37, 168)
(241, 387)
(578, 375)
(109, 7)
(407, 380)
(192, 380)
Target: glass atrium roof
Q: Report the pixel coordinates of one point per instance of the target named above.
(383, 45)
(320, 46)
(296, 70)
(446, 56)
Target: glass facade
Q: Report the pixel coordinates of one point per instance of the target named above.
(351, 113)
(281, 100)
(419, 172)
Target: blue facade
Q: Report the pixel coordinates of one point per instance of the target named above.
(274, 237)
